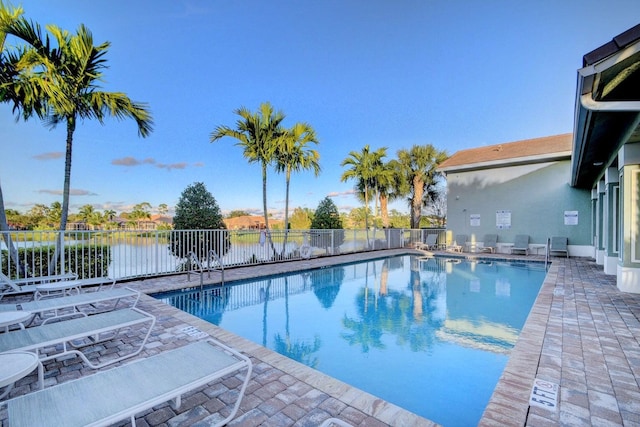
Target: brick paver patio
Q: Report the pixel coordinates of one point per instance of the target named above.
(582, 334)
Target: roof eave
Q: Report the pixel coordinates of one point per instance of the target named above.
(542, 158)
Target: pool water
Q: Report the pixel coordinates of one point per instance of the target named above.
(430, 335)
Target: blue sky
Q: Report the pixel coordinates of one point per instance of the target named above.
(454, 74)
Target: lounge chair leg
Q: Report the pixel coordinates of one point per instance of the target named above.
(175, 403)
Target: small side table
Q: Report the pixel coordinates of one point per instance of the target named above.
(17, 317)
(15, 366)
(538, 247)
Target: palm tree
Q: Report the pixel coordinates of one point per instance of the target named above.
(420, 178)
(363, 167)
(257, 133)
(65, 78)
(292, 155)
(23, 104)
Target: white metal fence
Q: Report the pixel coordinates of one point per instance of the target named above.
(131, 254)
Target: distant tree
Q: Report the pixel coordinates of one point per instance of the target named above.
(140, 212)
(364, 168)
(292, 154)
(358, 216)
(301, 219)
(419, 177)
(163, 209)
(399, 220)
(198, 210)
(326, 217)
(257, 133)
(237, 213)
(437, 208)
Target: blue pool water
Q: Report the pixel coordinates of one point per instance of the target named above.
(430, 335)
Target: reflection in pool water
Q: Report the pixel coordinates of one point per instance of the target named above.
(429, 335)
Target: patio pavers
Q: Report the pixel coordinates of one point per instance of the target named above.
(582, 334)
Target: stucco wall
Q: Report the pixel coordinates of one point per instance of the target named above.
(537, 196)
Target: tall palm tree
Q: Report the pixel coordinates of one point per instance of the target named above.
(257, 133)
(418, 169)
(293, 155)
(66, 78)
(363, 167)
(23, 104)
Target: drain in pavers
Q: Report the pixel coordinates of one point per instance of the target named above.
(192, 331)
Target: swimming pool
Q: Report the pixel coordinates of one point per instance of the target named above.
(430, 335)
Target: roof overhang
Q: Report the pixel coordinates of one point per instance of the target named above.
(607, 110)
(525, 160)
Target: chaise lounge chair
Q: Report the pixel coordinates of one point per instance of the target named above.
(521, 244)
(430, 243)
(459, 244)
(69, 336)
(70, 306)
(26, 285)
(559, 244)
(490, 243)
(46, 286)
(119, 393)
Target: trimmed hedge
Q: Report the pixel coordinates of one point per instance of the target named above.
(87, 261)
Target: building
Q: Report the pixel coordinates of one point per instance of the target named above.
(588, 190)
(516, 188)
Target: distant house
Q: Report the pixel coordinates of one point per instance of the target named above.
(584, 185)
(249, 222)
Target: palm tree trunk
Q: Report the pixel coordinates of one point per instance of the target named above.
(384, 209)
(71, 127)
(416, 202)
(366, 213)
(286, 211)
(264, 207)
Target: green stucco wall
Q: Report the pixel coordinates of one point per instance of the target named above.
(537, 196)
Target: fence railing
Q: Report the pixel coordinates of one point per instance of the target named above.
(130, 254)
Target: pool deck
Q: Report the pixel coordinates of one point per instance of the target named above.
(582, 334)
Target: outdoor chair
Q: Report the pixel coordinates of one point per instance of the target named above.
(490, 243)
(430, 243)
(459, 244)
(521, 244)
(69, 336)
(25, 285)
(71, 306)
(120, 393)
(559, 244)
(47, 286)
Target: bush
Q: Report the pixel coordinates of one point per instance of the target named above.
(326, 217)
(198, 210)
(88, 261)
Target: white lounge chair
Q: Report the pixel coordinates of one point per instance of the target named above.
(521, 244)
(430, 243)
(70, 306)
(45, 286)
(25, 285)
(119, 393)
(68, 287)
(559, 244)
(490, 243)
(459, 244)
(69, 336)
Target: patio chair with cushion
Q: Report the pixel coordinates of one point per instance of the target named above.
(521, 244)
(490, 243)
(559, 244)
(120, 393)
(69, 336)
